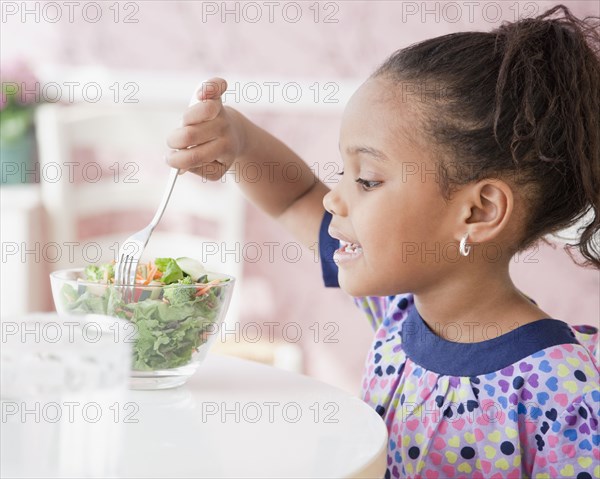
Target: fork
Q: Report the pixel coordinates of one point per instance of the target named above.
(131, 250)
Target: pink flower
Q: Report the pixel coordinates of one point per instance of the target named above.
(17, 75)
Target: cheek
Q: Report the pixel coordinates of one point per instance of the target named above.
(394, 237)
(421, 218)
(387, 229)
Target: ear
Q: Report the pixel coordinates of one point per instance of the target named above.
(487, 207)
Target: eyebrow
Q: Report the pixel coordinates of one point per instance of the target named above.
(367, 150)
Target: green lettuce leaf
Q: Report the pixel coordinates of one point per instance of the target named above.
(170, 270)
(103, 273)
(87, 302)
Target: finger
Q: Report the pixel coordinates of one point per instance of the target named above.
(209, 102)
(212, 89)
(193, 135)
(167, 160)
(197, 156)
(204, 111)
(211, 171)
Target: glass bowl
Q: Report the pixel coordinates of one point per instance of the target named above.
(170, 334)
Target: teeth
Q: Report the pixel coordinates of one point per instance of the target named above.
(351, 247)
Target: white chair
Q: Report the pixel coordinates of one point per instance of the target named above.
(102, 177)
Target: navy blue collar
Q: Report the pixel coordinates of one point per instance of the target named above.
(449, 358)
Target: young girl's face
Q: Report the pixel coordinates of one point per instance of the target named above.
(388, 200)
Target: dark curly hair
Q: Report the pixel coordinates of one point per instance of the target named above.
(521, 102)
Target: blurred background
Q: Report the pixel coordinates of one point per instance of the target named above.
(90, 92)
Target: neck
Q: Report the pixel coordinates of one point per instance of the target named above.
(461, 309)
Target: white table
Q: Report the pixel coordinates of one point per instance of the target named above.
(24, 283)
(236, 418)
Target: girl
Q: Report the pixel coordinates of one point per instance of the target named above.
(458, 152)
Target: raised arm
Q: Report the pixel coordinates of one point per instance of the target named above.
(214, 139)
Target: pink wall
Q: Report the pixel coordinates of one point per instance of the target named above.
(173, 36)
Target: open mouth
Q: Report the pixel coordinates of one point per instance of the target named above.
(347, 252)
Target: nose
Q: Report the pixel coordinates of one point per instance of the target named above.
(334, 204)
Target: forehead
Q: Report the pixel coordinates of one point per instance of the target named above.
(377, 116)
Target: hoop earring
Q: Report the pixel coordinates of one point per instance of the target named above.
(464, 248)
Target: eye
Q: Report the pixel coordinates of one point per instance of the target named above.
(340, 173)
(366, 184)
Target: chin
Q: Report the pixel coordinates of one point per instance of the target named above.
(356, 288)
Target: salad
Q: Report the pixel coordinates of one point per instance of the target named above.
(174, 307)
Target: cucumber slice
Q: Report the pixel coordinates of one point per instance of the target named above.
(95, 289)
(191, 267)
(148, 293)
(155, 293)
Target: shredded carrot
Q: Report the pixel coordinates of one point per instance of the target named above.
(150, 275)
(206, 287)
